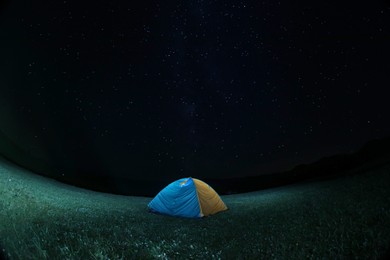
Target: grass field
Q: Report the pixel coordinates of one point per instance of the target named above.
(339, 219)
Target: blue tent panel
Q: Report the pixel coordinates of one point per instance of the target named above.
(177, 199)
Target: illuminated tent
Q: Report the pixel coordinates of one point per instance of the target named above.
(187, 197)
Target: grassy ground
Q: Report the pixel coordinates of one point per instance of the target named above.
(344, 218)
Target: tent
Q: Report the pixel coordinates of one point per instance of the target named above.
(187, 197)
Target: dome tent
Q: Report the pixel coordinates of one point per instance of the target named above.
(187, 197)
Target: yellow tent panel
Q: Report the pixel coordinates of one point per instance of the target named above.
(209, 200)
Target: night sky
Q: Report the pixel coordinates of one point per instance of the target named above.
(209, 89)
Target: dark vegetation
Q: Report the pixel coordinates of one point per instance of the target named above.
(2, 253)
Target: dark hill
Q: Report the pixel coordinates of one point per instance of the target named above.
(371, 155)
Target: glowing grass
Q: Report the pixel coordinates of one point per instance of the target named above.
(344, 218)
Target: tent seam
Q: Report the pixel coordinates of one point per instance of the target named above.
(197, 195)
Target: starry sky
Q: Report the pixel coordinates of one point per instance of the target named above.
(209, 89)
